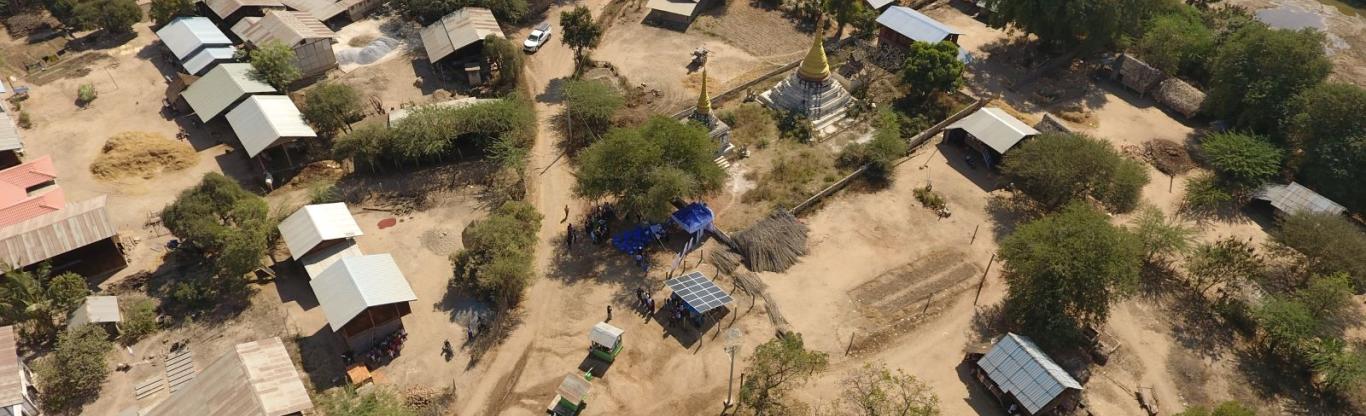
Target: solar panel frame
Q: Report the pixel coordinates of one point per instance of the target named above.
(699, 292)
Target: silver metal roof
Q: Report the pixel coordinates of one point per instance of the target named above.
(878, 4)
(459, 29)
(915, 25)
(289, 28)
(1295, 198)
(679, 7)
(313, 224)
(95, 309)
(9, 133)
(1020, 368)
(264, 121)
(256, 378)
(993, 127)
(320, 259)
(184, 35)
(605, 334)
(353, 284)
(204, 60)
(213, 94)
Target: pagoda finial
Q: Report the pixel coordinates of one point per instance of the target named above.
(704, 100)
(815, 67)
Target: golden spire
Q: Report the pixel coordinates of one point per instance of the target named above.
(815, 67)
(704, 100)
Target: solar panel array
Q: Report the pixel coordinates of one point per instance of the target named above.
(699, 292)
(1018, 367)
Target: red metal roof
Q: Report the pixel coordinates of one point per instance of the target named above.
(34, 206)
(15, 181)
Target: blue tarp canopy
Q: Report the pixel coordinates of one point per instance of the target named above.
(635, 238)
(693, 218)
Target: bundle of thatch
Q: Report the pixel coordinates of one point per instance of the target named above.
(725, 260)
(774, 244)
(1136, 74)
(1180, 97)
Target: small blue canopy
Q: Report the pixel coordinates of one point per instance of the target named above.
(694, 217)
(632, 239)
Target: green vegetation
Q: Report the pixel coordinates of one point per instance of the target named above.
(507, 60)
(1229, 408)
(139, 320)
(229, 225)
(751, 124)
(645, 168)
(1292, 323)
(331, 107)
(496, 261)
(1063, 271)
(273, 63)
(1069, 23)
(113, 16)
(86, 94)
(929, 198)
(1056, 169)
(1177, 43)
(579, 31)
(507, 12)
(1229, 263)
(797, 172)
(879, 154)
(1243, 161)
(844, 12)
(1329, 130)
(1257, 72)
(39, 302)
(1330, 244)
(1204, 196)
(932, 68)
(499, 128)
(74, 372)
(775, 368)
(1160, 238)
(376, 402)
(877, 391)
(163, 11)
(25, 121)
(589, 107)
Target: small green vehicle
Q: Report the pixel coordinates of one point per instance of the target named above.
(570, 397)
(605, 341)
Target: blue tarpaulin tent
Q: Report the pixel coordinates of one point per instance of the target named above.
(693, 218)
(632, 239)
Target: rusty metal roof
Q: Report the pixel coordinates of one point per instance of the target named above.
(256, 379)
(48, 235)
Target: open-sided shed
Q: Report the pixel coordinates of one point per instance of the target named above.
(1020, 374)
(457, 31)
(991, 131)
(363, 297)
(1295, 198)
(222, 89)
(99, 310)
(265, 121)
(314, 227)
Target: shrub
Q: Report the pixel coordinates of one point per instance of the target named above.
(496, 261)
(76, 369)
(1243, 161)
(1055, 169)
(86, 94)
(751, 124)
(1204, 196)
(433, 134)
(25, 121)
(795, 126)
(139, 320)
(1330, 244)
(881, 153)
(929, 198)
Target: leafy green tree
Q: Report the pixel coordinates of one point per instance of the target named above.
(1286, 324)
(1328, 130)
(332, 107)
(501, 128)
(39, 301)
(1204, 196)
(1160, 237)
(932, 68)
(507, 57)
(228, 223)
(1257, 72)
(1229, 408)
(1229, 261)
(498, 252)
(844, 12)
(645, 168)
(273, 63)
(1177, 43)
(1055, 169)
(1066, 23)
(65, 12)
(877, 391)
(76, 369)
(1063, 271)
(879, 154)
(1330, 244)
(139, 320)
(378, 402)
(163, 11)
(775, 368)
(114, 16)
(579, 31)
(589, 107)
(1340, 369)
(1244, 161)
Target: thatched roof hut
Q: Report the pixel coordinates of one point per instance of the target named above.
(1180, 96)
(1135, 74)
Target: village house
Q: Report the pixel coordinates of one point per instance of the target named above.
(11, 145)
(458, 37)
(899, 27)
(254, 379)
(1023, 378)
(335, 13)
(989, 131)
(265, 122)
(197, 44)
(97, 310)
(222, 89)
(675, 14)
(38, 225)
(17, 393)
(229, 12)
(310, 39)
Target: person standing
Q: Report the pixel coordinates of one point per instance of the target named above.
(569, 237)
(609, 313)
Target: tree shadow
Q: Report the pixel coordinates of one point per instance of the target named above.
(1274, 380)
(100, 39)
(1010, 210)
(554, 91)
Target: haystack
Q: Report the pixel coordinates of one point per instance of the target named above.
(774, 244)
(1168, 156)
(141, 154)
(1180, 97)
(1136, 74)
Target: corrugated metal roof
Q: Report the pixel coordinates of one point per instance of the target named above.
(313, 224)
(225, 8)
(95, 309)
(1020, 368)
(9, 133)
(915, 25)
(290, 28)
(353, 284)
(574, 388)
(264, 121)
(605, 334)
(878, 4)
(185, 35)
(49, 235)
(457, 30)
(1295, 198)
(995, 128)
(322, 9)
(206, 58)
(318, 260)
(11, 377)
(15, 181)
(678, 7)
(212, 94)
(256, 379)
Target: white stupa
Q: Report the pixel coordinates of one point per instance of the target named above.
(811, 91)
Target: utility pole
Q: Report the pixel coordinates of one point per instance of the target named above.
(733, 336)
